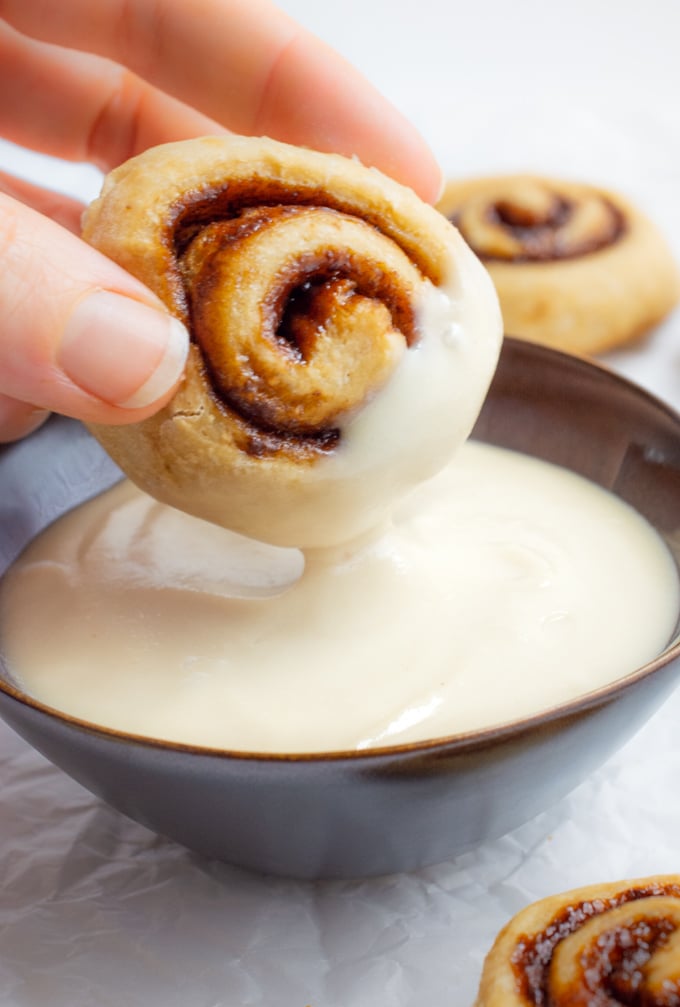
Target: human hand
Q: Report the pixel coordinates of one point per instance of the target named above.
(102, 82)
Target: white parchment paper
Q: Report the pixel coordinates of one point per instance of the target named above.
(94, 909)
(97, 911)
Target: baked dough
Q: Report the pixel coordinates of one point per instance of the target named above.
(603, 944)
(305, 280)
(576, 267)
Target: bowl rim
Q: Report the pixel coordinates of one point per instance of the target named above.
(460, 742)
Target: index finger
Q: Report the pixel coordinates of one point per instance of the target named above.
(245, 64)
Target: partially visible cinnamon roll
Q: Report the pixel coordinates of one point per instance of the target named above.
(609, 945)
(343, 335)
(576, 267)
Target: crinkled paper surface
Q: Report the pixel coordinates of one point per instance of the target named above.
(97, 911)
(94, 909)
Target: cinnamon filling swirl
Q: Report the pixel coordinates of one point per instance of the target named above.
(527, 222)
(620, 946)
(293, 348)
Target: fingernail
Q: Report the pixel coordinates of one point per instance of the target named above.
(122, 351)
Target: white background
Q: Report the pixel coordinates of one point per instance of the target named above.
(94, 910)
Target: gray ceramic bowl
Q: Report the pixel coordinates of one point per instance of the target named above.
(399, 808)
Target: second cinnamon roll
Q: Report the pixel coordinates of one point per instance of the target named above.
(576, 267)
(611, 945)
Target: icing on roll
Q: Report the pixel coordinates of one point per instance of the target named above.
(575, 267)
(603, 944)
(343, 335)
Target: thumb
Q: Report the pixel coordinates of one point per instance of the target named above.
(80, 336)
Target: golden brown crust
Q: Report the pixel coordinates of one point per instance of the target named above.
(575, 267)
(619, 941)
(298, 274)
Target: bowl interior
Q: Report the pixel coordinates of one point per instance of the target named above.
(580, 415)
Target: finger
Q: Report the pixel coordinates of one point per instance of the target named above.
(345, 116)
(62, 209)
(246, 65)
(17, 419)
(83, 107)
(79, 335)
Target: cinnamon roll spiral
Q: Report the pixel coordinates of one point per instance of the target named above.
(343, 336)
(616, 944)
(575, 267)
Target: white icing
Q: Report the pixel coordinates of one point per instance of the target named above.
(500, 587)
(411, 428)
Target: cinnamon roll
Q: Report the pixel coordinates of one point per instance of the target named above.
(603, 944)
(576, 267)
(343, 335)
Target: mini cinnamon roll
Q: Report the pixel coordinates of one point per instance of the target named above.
(343, 335)
(604, 944)
(576, 267)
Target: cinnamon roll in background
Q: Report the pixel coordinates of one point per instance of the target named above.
(343, 335)
(575, 267)
(613, 944)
